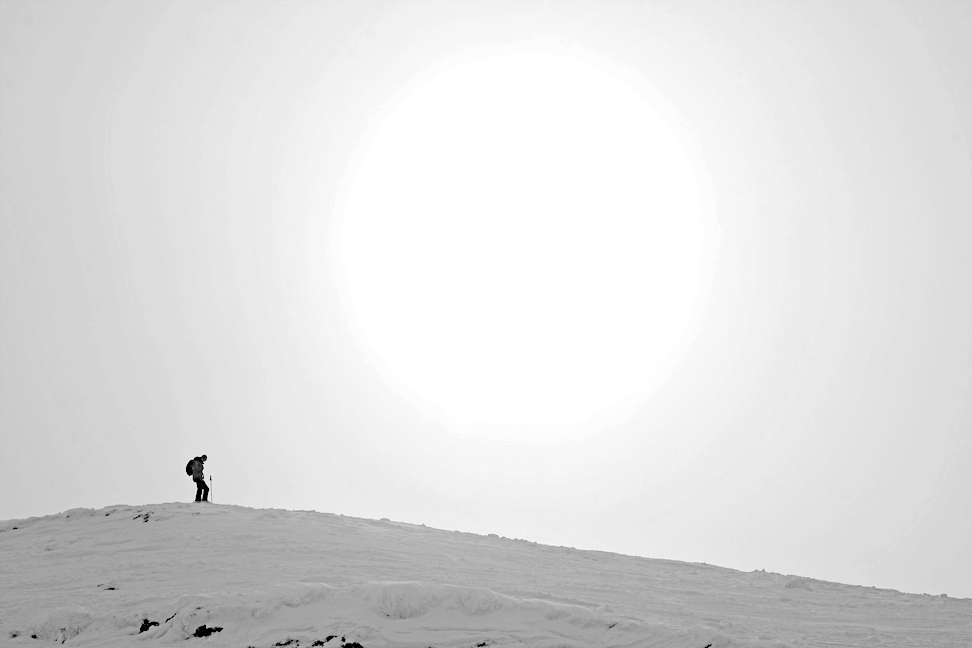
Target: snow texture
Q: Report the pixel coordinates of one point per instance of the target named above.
(221, 575)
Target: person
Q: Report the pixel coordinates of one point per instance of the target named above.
(202, 490)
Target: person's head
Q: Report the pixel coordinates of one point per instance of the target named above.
(203, 457)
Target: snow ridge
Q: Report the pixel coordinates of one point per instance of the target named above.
(233, 576)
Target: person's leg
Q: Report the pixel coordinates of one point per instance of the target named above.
(205, 490)
(200, 485)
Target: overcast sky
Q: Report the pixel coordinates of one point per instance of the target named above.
(172, 178)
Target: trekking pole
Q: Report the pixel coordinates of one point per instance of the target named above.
(211, 489)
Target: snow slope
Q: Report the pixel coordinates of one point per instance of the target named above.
(167, 573)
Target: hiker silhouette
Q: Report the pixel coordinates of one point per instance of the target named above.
(202, 490)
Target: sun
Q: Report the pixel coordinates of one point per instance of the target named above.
(520, 244)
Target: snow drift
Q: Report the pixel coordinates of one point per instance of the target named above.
(232, 576)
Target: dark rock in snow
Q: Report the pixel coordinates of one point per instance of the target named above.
(203, 631)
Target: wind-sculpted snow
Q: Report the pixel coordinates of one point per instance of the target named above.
(383, 614)
(232, 576)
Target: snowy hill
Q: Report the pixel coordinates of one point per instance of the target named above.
(232, 576)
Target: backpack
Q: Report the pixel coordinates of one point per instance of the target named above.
(189, 466)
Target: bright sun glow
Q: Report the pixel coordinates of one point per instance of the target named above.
(520, 245)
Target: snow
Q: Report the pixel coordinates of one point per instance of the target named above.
(221, 575)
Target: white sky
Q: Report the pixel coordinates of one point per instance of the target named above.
(168, 180)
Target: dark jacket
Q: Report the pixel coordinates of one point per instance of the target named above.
(197, 469)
